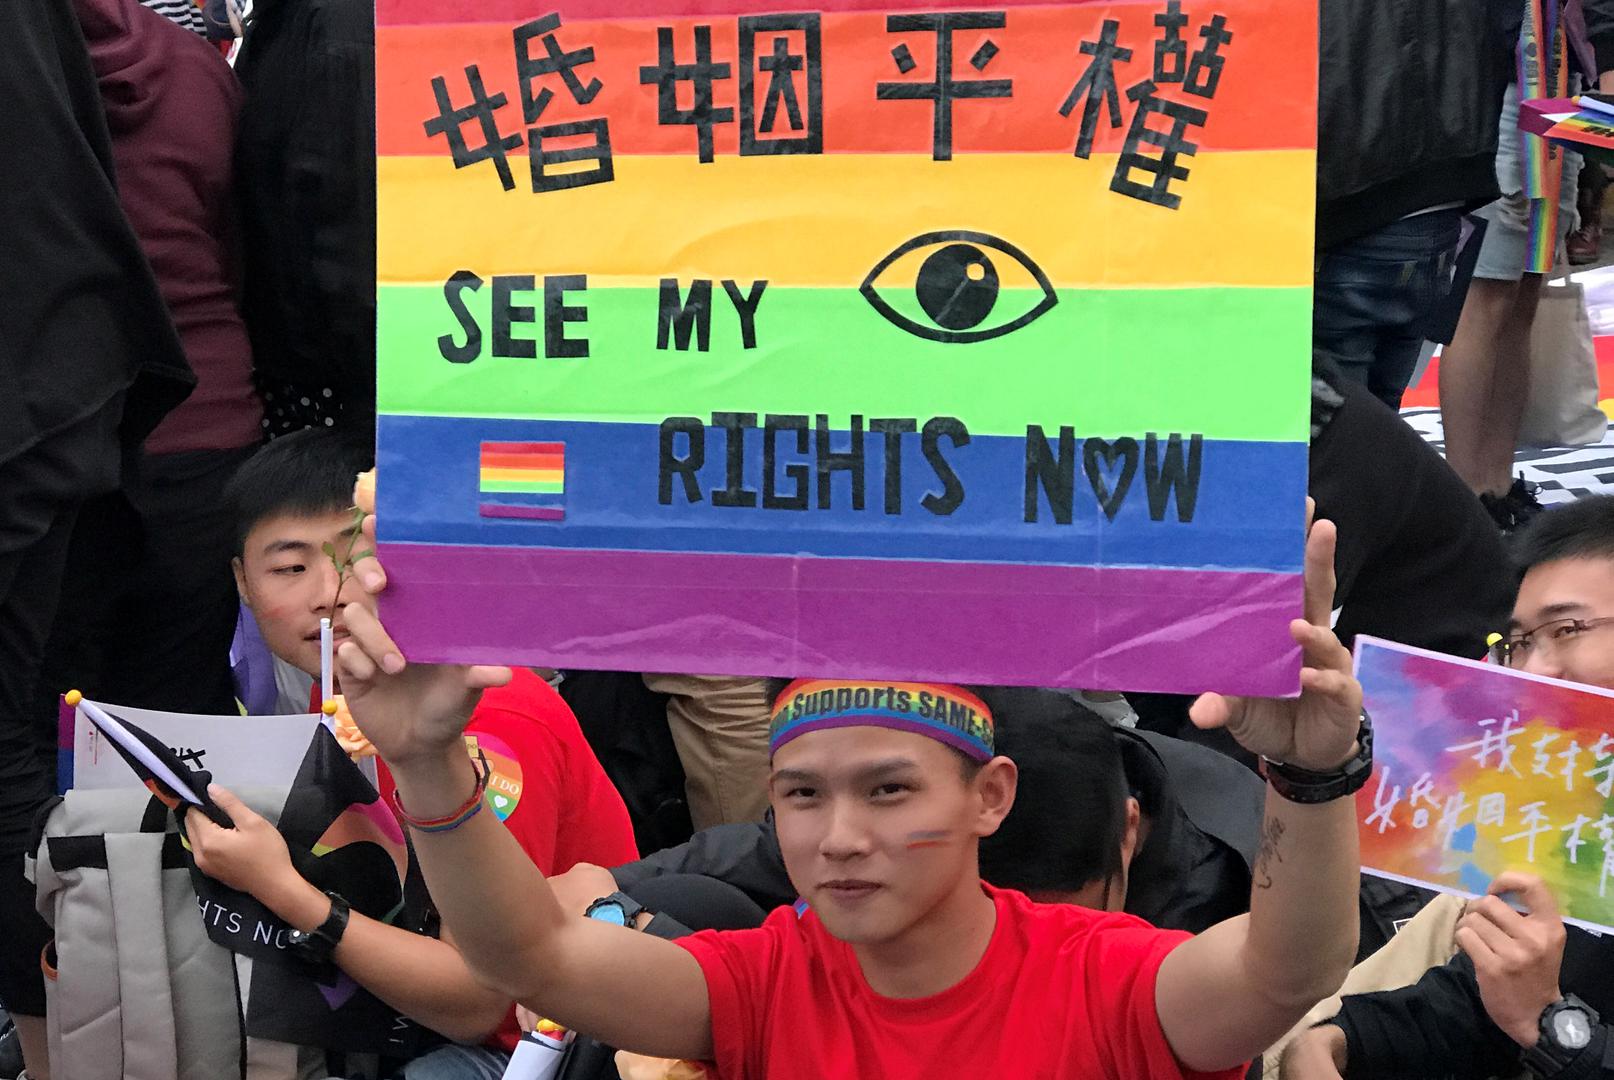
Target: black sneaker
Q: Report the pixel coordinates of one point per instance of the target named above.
(1516, 506)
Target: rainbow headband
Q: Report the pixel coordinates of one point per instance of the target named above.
(943, 712)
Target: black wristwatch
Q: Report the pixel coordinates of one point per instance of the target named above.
(314, 947)
(618, 909)
(1308, 786)
(1567, 1027)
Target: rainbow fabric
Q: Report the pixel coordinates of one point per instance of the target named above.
(1099, 484)
(948, 714)
(1542, 71)
(523, 480)
(1480, 769)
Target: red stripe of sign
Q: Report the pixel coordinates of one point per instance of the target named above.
(1262, 102)
(523, 448)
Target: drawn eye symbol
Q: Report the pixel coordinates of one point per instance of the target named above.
(949, 293)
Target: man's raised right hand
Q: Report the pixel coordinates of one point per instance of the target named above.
(406, 710)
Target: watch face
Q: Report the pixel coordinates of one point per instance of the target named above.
(1572, 1029)
(609, 911)
(298, 938)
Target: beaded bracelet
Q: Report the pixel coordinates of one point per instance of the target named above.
(467, 810)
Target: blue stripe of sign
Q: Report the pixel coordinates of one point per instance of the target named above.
(1247, 514)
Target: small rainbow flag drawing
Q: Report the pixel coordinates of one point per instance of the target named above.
(523, 480)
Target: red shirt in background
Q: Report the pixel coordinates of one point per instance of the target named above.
(172, 105)
(1062, 991)
(546, 786)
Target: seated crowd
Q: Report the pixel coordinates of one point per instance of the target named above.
(663, 876)
(990, 880)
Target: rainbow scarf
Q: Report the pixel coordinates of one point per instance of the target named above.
(1543, 71)
(946, 713)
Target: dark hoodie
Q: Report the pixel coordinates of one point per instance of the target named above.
(83, 338)
(171, 107)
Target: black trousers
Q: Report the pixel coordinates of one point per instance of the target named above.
(38, 508)
(149, 602)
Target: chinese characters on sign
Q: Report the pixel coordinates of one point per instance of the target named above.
(1482, 769)
(554, 60)
(784, 55)
(1197, 77)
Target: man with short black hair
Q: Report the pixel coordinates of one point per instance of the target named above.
(1108, 817)
(903, 963)
(295, 525)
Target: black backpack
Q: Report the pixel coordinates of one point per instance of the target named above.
(305, 171)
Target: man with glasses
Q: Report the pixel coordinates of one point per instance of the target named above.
(1520, 991)
(1564, 611)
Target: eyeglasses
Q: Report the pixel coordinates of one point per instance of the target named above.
(1515, 650)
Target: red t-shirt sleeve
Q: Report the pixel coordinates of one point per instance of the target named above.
(536, 819)
(737, 966)
(1121, 967)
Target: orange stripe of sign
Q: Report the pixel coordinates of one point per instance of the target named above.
(523, 461)
(1263, 101)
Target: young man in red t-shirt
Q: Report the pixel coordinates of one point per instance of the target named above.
(545, 784)
(903, 964)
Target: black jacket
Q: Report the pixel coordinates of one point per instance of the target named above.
(1600, 28)
(1410, 92)
(1192, 872)
(1419, 561)
(1438, 1027)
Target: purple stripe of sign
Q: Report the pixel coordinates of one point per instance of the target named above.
(1087, 627)
(528, 513)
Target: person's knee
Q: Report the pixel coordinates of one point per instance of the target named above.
(457, 1063)
(1493, 295)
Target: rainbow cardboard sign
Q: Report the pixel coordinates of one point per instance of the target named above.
(870, 340)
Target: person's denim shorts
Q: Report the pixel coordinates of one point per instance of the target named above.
(1507, 235)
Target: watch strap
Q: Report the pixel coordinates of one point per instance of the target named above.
(1309, 786)
(317, 946)
(662, 925)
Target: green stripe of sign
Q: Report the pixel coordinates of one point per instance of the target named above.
(1224, 363)
(536, 487)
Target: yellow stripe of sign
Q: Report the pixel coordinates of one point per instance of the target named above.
(1245, 220)
(522, 474)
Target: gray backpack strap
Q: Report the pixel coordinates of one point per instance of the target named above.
(135, 885)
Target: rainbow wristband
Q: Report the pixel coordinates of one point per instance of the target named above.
(466, 811)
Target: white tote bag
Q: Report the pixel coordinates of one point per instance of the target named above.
(1563, 409)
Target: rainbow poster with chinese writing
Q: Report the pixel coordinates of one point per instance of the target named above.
(1479, 769)
(883, 339)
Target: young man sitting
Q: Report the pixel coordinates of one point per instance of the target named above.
(1522, 987)
(903, 963)
(292, 500)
